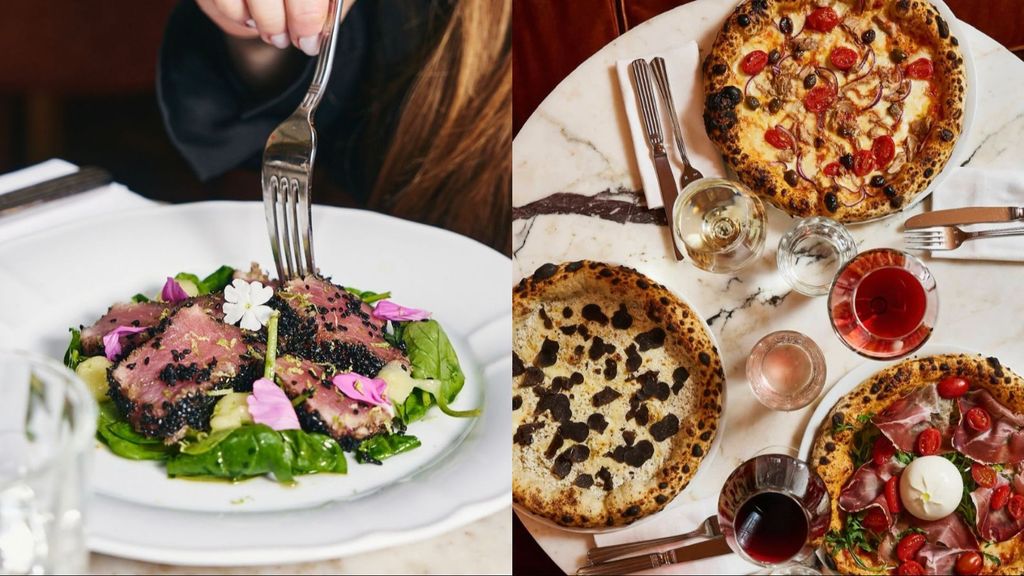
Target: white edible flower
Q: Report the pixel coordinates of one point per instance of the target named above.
(246, 301)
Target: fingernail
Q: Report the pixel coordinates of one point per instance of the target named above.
(310, 45)
(250, 23)
(280, 40)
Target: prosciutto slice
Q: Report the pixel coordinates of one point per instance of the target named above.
(996, 525)
(1002, 443)
(946, 539)
(866, 487)
(905, 418)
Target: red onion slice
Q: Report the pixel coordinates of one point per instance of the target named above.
(871, 67)
(901, 93)
(876, 100)
(800, 168)
(792, 138)
(833, 79)
(746, 87)
(777, 67)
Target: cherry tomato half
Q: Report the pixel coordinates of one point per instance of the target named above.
(832, 169)
(953, 387)
(822, 19)
(978, 419)
(983, 475)
(883, 449)
(778, 138)
(1016, 506)
(883, 149)
(1000, 496)
(875, 520)
(920, 69)
(754, 62)
(843, 58)
(969, 563)
(819, 98)
(928, 442)
(910, 568)
(892, 494)
(909, 546)
(863, 162)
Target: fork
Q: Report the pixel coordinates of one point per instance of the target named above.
(661, 79)
(950, 237)
(707, 529)
(287, 170)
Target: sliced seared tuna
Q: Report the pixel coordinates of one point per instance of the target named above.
(325, 409)
(324, 323)
(144, 314)
(161, 385)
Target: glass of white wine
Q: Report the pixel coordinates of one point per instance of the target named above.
(719, 223)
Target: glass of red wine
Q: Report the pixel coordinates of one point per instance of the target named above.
(883, 304)
(773, 509)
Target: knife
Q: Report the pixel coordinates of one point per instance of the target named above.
(706, 549)
(652, 129)
(955, 216)
(87, 178)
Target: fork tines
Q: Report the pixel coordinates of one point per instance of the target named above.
(926, 238)
(286, 200)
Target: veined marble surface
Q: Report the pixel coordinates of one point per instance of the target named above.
(576, 144)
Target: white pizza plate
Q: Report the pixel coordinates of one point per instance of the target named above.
(705, 464)
(70, 275)
(852, 379)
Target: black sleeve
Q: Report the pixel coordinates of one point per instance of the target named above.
(213, 120)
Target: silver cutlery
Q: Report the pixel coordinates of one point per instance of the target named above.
(661, 78)
(652, 128)
(707, 529)
(287, 171)
(87, 178)
(950, 237)
(959, 216)
(706, 549)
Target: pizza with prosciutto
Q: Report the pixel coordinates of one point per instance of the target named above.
(840, 108)
(965, 409)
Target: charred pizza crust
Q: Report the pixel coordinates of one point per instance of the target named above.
(617, 394)
(833, 445)
(914, 26)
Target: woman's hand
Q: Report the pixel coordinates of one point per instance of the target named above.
(278, 22)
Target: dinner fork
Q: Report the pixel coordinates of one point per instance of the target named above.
(708, 529)
(287, 171)
(951, 237)
(661, 79)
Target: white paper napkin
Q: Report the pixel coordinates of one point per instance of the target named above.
(104, 199)
(677, 520)
(686, 81)
(976, 187)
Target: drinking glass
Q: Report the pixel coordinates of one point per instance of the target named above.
(772, 509)
(812, 251)
(719, 223)
(786, 370)
(47, 422)
(883, 304)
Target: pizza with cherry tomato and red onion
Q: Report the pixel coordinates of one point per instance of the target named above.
(839, 108)
(924, 463)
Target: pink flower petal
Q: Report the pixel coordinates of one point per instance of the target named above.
(173, 292)
(388, 310)
(269, 405)
(358, 387)
(112, 341)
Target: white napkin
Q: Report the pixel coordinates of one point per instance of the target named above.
(677, 520)
(687, 84)
(44, 216)
(976, 187)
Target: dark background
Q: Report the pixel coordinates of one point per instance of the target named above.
(551, 37)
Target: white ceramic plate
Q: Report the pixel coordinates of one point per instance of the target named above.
(68, 276)
(852, 379)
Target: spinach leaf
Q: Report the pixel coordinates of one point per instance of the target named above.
(73, 356)
(415, 406)
(216, 281)
(433, 357)
(367, 296)
(191, 278)
(374, 450)
(140, 297)
(117, 434)
(314, 453)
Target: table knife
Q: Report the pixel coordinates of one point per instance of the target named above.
(85, 179)
(652, 129)
(705, 549)
(958, 216)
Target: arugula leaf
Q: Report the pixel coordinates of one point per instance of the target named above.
(843, 427)
(432, 357)
(374, 450)
(216, 281)
(966, 507)
(368, 296)
(863, 444)
(992, 558)
(74, 356)
(904, 458)
(140, 297)
(865, 417)
(854, 538)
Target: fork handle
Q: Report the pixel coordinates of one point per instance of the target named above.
(995, 233)
(605, 553)
(625, 566)
(661, 79)
(325, 61)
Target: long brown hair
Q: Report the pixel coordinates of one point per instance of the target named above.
(449, 159)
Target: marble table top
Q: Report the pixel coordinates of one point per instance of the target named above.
(576, 195)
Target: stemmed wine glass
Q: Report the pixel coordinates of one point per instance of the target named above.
(719, 223)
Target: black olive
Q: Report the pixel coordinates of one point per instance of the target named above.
(877, 181)
(719, 69)
(774, 56)
(759, 5)
(797, 54)
(790, 177)
(753, 103)
(733, 93)
(898, 55)
(810, 80)
(889, 191)
(946, 135)
(831, 202)
(743, 20)
(868, 36)
(819, 141)
(774, 105)
(847, 161)
(786, 25)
